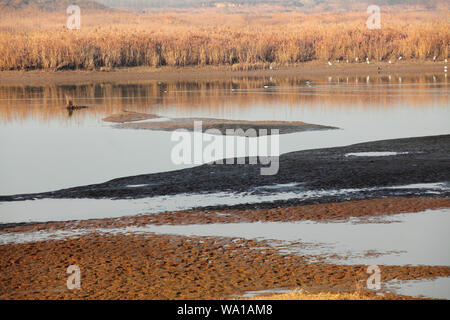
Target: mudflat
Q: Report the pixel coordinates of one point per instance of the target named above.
(176, 267)
(215, 126)
(415, 161)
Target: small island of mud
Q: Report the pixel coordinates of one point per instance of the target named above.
(133, 120)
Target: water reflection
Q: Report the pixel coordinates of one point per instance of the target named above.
(223, 98)
(45, 148)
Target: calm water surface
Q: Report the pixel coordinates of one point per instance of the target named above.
(43, 147)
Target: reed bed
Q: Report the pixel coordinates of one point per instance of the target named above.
(244, 41)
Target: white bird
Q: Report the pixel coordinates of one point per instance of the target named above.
(356, 59)
(400, 58)
(434, 58)
(347, 60)
(329, 63)
(266, 86)
(445, 60)
(367, 60)
(390, 61)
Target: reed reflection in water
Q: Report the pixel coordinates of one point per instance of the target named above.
(46, 148)
(249, 99)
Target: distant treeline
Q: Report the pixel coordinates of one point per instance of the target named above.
(337, 4)
(319, 5)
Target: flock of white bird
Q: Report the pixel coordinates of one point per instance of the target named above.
(308, 83)
(357, 59)
(390, 61)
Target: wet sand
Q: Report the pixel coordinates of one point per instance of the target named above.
(178, 267)
(308, 69)
(175, 267)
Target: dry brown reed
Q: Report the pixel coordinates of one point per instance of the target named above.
(245, 41)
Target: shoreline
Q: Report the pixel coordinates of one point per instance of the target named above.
(180, 267)
(137, 74)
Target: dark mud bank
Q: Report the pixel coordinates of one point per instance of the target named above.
(421, 160)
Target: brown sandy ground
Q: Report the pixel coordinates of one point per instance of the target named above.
(210, 123)
(175, 267)
(307, 69)
(178, 267)
(318, 212)
(299, 294)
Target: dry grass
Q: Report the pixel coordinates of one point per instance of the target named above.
(30, 40)
(303, 295)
